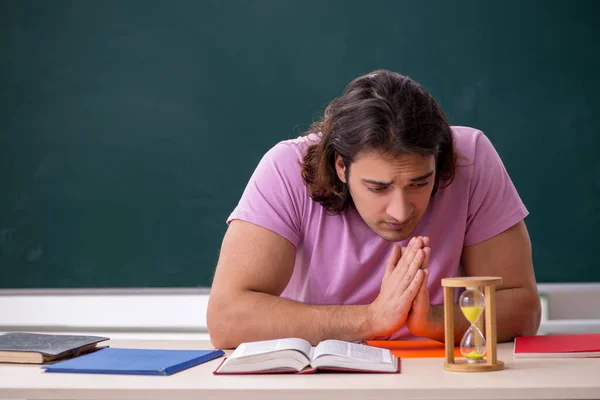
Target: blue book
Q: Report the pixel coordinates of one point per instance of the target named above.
(135, 361)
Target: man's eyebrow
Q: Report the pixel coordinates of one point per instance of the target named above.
(374, 182)
(420, 178)
(387, 183)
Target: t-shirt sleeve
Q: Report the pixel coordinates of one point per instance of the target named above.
(275, 194)
(494, 204)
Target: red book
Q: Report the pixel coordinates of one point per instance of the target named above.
(585, 345)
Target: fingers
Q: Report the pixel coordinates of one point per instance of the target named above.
(424, 239)
(408, 256)
(410, 272)
(421, 301)
(415, 244)
(413, 288)
(416, 263)
(414, 257)
(393, 260)
(427, 251)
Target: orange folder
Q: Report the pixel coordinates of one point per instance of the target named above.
(414, 348)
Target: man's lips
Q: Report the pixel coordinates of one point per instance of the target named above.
(396, 225)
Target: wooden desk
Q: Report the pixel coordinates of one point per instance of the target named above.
(420, 379)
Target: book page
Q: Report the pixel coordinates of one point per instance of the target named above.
(352, 350)
(269, 346)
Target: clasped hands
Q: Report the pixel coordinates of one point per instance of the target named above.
(404, 297)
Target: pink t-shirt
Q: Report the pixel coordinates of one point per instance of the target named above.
(340, 260)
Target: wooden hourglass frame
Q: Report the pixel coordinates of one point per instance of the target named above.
(487, 286)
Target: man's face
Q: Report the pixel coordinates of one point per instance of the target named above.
(390, 194)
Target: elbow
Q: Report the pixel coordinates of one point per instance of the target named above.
(220, 323)
(531, 314)
(219, 340)
(524, 319)
(532, 317)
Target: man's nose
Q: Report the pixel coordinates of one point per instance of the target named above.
(399, 207)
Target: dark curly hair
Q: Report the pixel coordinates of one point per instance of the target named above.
(381, 111)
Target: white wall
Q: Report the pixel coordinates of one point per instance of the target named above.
(117, 313)
(570, 308)
(181, 313)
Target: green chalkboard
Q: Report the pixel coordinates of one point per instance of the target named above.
(128, 129)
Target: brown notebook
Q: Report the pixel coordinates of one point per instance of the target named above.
(38, 348)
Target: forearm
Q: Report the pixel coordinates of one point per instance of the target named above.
(253, 316)
(435, 327)
(517, 314)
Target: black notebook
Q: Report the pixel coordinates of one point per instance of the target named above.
(38, 348)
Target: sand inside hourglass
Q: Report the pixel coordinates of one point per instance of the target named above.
(472, 313)
(473, 343)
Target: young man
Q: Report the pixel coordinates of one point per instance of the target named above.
(347, 231)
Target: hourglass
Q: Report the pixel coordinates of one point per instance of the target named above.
(472, 345)
(476, 302)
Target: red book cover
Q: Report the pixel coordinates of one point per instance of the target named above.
(581, 345)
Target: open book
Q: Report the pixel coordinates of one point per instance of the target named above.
(295, 355)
